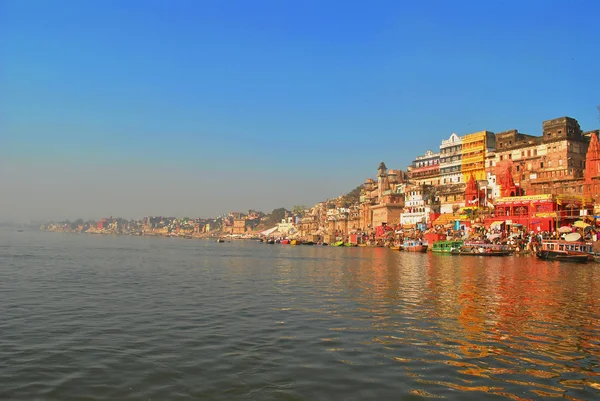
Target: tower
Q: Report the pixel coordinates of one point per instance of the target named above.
(381, 178)
(592, 166)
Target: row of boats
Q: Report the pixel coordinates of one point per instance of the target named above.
(560, 250)
(550, 250)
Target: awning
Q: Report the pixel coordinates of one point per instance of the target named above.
(496, 224)
(565, 229)
(580, 224)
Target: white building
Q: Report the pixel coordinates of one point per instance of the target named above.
(416, 208)
(451, 160)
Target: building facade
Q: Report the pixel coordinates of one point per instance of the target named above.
(451, 160)
(425, 169)
(474, 149)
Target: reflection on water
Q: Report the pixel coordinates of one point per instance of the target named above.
(149, 318)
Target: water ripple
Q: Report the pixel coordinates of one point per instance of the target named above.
(130, 318)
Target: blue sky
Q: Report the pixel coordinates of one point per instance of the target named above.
(107, 106)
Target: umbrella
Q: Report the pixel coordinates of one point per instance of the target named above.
(580, 224)
(492, 237)
(572, 237)
(565, 229)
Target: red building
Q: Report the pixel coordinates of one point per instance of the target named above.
(544, 212)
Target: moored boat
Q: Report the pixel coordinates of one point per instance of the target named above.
(446, 246)
(220, 240)
(477, 249)
(338, 243)
(568, 251)
(414, 246)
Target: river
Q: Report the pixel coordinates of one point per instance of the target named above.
(139, 318)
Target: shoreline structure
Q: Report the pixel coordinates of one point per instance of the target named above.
(507, 182)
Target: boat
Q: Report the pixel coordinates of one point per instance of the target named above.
(220, 240)
(481, 249)
(414, 246)
(286, 242)
(394, 247)
(308, 243)
(568, 251)
(338, 243)
(446, 246)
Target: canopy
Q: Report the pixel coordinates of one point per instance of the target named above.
(496, 224)
(565, 229)
(269, 231)
(572, 237)
(580, 224)
(492, 237)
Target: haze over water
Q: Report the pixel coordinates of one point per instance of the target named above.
(132, 318)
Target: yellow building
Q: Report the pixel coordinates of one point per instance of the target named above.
(474, 149)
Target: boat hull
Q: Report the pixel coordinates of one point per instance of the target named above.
(415, 248)
(562, 256)
(476, 253)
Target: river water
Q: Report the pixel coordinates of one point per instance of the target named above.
(138, 318)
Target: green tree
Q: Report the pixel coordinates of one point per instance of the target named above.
(299, 209)
(276, 216)
(352, 196)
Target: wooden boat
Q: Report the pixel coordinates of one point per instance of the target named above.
(286, 242)
(568, 251)
(338, 243)
(308, 243)
(414, 246)
(220, 240)
(477, 249)
(394, 247)
(446, 246)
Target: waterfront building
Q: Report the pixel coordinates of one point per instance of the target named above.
(425, 169)
(382, 201)
(451, 160)
(417, 206)
(451, 197)
(592, 169)
(239, 225)
(551, 163)
(474, 149)
(544, 212)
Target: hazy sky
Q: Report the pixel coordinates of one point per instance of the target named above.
(132, 108)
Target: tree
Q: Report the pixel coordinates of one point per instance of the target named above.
(352, 196)
(299, 209)
(276, 216)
